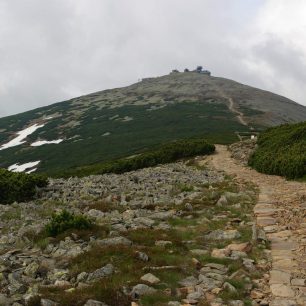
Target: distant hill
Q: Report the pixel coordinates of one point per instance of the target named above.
(282, 151)
(116, 123)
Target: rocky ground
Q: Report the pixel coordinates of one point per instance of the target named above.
(242, 150)
(178, 234)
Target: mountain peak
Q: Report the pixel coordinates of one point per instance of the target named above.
(116, 123)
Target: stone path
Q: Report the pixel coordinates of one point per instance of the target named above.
(281, 212)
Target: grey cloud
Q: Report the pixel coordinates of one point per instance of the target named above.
(54, 50)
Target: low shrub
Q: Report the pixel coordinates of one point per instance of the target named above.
(281, 151)
(64, 221)
(19, 186)
(165, 154)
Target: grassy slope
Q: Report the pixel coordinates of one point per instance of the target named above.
(170, 152)
(148, 129)
(282, 151)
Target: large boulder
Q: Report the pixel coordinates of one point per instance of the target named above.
(102, 272)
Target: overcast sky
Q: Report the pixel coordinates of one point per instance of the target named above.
(52, 50)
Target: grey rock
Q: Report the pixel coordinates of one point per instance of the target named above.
(114, 241)
(214, 268)
(209, 283)
(195, 295)
(46, 302)
(15, 284)
(223, 235)
(188, 206)
(102, 272)
(82, 277)
(142, 256)
(163, 215)
(236, 303)
(189, 281)
(216, 276)
(249, 264)
(163, 243)
(144, 221)
(96, 214)
(141, 290)
(222, 201)
(150, 278)
(238, 254)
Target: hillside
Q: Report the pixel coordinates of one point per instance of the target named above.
(155, 237)
(282, 151)
(121, 122)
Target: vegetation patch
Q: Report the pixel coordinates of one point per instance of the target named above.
(178, 119)
(19, 187)
(64, 221)
(281, 151)
(162, 155)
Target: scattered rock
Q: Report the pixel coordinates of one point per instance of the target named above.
(46, 302)
(150, 278)
(223, 235)
(222, 201)
(141, 290)
(163, 243)
(114, 241)
(102, 272)
(189, 281)
(142, 256)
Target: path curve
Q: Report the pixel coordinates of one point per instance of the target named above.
(235, 111)
(281, 212)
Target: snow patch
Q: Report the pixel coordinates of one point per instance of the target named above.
(23, 167)
(21, 136)
(43, 142)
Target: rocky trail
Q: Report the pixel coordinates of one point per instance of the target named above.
(280, 212)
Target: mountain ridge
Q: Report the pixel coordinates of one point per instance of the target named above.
(119, 122)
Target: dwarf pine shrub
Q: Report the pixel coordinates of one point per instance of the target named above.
(63, 221)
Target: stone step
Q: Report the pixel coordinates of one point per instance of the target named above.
(279, 277)
(281, 290)
(265, 221)
(281, 234)
(281, 244)
(286, 265)
(264, 212)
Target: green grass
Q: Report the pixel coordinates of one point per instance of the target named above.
(281, 151)
(182, 222)
(157, 299)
